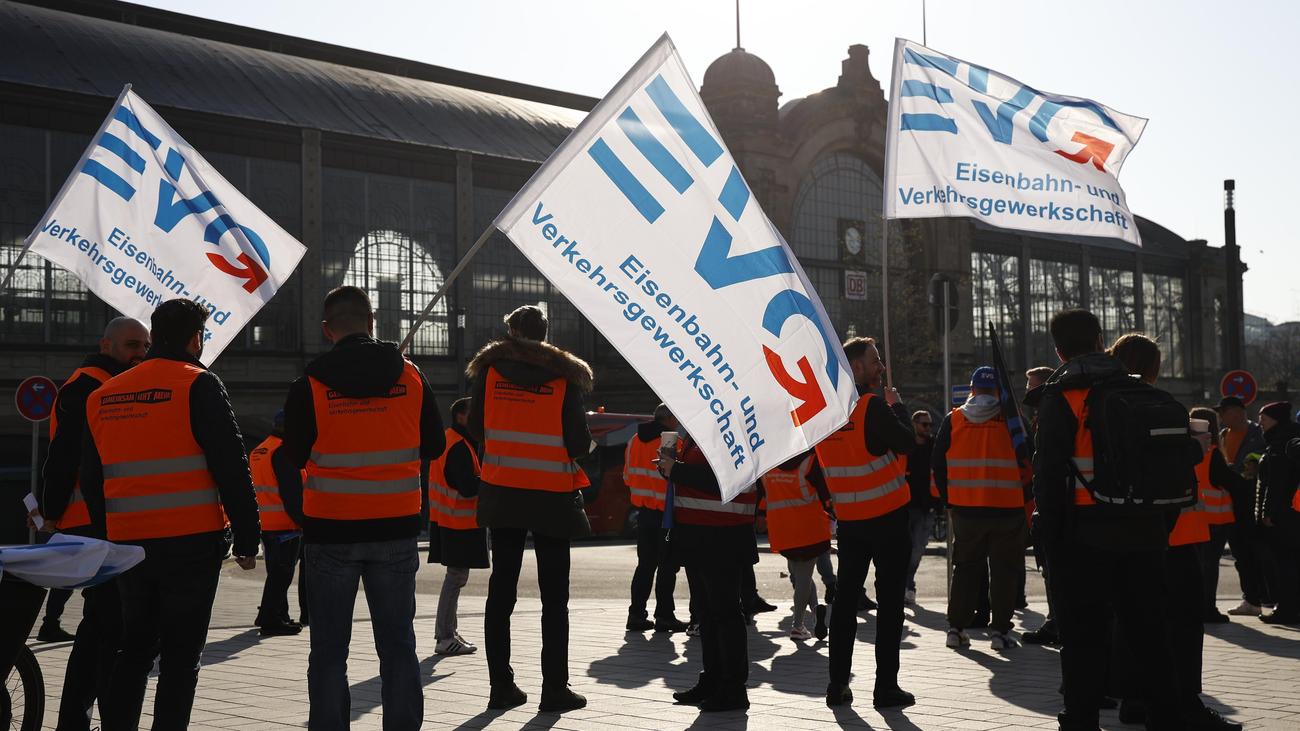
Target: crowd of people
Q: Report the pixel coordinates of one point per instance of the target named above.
(1128, 507)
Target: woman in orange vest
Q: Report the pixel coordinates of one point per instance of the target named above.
(281, 541)
(528, 415)
(1220, 488)
(799, 529)
(715, 542)
(455, 538)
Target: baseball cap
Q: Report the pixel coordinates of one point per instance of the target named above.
(1229, 402)
(984, 377)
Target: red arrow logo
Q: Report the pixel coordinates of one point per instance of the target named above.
(1094, 150)
(807, 392)
(251, 270)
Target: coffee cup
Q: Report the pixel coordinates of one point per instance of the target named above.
(668, 441)
(1199, 426)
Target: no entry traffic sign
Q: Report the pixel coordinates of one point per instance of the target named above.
(1240, 384)
(35, 398)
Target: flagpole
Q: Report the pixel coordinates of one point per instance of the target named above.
(884, 288)
(31, 238)
(446, 284)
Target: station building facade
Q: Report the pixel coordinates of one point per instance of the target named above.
(388, 170)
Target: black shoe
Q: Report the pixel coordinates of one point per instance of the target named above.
(696, 695)
(1045, 635)
(838, 695)
(52, 632)
(1216, 617)
(1132, 711)
(892, 697)
(761, 605)
(280, 629)
(1209, 720)
(1077, 721)
(561, 700)
(509, 697)
(819, 629)
(733, 699)
(865, 604)
(1275, 618)
(670, 624)
(639, 624)
(981, 621)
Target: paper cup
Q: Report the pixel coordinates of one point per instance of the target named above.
(1199, 426)
(668, 441)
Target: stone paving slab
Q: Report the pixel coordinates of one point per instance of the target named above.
(1252, 674)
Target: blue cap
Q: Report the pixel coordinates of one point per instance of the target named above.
(984, 377)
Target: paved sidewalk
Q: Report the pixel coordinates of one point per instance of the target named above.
(1252, 673)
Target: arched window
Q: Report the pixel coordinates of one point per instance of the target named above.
(401, 277)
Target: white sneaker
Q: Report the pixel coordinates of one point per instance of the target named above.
(957, 638)
(454, 646)
(909, 598)
(800, 633)
(1245, 609)
(1000, 641)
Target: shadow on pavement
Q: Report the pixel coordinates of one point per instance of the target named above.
(641, 659)
(215, 653)
(1245, 636)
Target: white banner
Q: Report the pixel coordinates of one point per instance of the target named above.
(967, 141)
(642, 219)
(144, 219)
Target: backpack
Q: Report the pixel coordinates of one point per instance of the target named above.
(1142, 457)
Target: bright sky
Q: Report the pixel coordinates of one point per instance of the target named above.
(1215, 80)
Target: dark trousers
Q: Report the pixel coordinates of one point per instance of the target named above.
(1183, 614)
(20, 605)
(722, 626)
(653, 566)
(387, 571)
(1246, 541)
(1282, 566)
(503, 586)
(280, 550)
(1088, 583)
(992, 545)
(1211, 552)
(55, 603)
(90, 664)
(166, 605)
(887, 542)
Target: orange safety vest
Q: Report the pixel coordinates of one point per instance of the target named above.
(1295, 501)
(75, 515)
(1192, 527)
(645, 486)
(447, 507)
(1215, 502)
(365, 464)
(795, 517)
(1083, 451)
(982, 467)
(523, 436)
(156, 478)
(862, 485)
(269, 506)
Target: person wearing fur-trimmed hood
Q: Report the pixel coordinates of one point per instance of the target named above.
(528, 414)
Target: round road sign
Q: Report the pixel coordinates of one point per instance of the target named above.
(35, 398)
(1240, 384)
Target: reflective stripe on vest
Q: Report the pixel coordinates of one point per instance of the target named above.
(156, 480)
(447, 507)
(714, 506)
(646, 487)
(982, 467)
(75, 514)
(523, 436)
(795, 517)
(269, 506)
(1083, 451)
(365, 463)
(862, 485)
(1214, 502)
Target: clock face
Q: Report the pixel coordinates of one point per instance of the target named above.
(853, 240)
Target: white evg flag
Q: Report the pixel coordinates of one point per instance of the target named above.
(144, 219)
(642, 219)
(964, 140)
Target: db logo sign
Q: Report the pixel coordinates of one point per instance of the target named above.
(855, 285)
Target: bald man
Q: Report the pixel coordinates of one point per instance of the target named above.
(124, 344)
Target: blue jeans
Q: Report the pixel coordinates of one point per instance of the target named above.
(387, 569)
(920, 524)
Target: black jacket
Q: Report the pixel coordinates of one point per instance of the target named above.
(64, 456)
(1056, 519)
(889, 428)
(919, 468)
(531, 363)
(1278, 474)
(697, 544)
(213, 424)
(358, 366)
